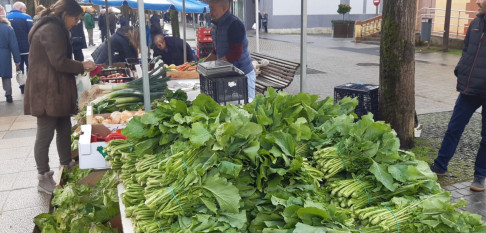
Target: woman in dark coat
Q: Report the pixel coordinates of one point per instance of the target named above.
(79, 41)
(50, 91)
(8, 47)
(172, 50)
(124, 44)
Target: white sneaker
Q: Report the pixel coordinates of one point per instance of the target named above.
(46, 183)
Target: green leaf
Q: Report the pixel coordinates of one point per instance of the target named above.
(304, 228)
(383, 176)
(230, 168)
(312, 215)
(200, 134)
(135, 129)
(399, 172)
(301, 129)
(225, 193)
(421, 171)
(235, 220)
(284, 141)
(224, 133)
(149, 118)
(252, 151)
(210, 204)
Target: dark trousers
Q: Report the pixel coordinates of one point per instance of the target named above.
(78, 54)
(103, 35)
(24, 60)
(465, 106)
(46, 126)
(265, 26)
(112, 31)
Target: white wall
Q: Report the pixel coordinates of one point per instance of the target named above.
(314, 7)
(357, 6)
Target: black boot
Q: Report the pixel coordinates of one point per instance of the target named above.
(22, 89)
(9, 98)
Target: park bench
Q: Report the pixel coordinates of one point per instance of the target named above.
(278, 74)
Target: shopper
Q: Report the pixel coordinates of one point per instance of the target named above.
(265, 21)
(102, 24)
(125, 44)
(21, 23)
(112, 20)
(155, 27)
(8, 48)
(78, 40)
(229, 41)
(172, 50)
(89, 24)
(38, 10)
(50, 92)
(471, 85)
(201, 20)
(208, 20)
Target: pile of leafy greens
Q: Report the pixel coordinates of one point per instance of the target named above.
(82, 208)
(283, 163)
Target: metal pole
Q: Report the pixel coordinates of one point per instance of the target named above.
(144, 50)
(447, 24)
(184, 29)
(257, 26)
(108, 35)
(303, 45)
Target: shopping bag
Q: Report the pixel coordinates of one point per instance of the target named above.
(254, 26)
(21, 79)
(83, 82)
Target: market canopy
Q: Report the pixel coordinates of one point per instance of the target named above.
(192, 6)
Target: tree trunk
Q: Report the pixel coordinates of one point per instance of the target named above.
(397, 68)
(174, 22)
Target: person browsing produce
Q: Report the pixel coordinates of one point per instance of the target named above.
(172, 50)
(471, 85)
(50, 91)
(230, 42)
(124, 44)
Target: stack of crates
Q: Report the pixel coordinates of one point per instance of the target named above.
(204, 42)
(367, 95)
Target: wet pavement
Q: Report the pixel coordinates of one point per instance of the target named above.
(331, 62)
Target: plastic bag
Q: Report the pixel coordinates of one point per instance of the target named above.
(83, 82)
(254, 26)
(21, 79)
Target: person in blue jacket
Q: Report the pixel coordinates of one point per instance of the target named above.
(21, 23)
(172, 50)
(8, 47)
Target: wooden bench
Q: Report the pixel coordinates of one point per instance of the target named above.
(278, 74)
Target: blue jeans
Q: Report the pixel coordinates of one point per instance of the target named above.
(463, 110)
(251, 77)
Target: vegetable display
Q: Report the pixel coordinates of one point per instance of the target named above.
(283, 163)
(82, 208)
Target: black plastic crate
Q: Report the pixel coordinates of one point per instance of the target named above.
(225, 89)
(367, 95)
(107, 72)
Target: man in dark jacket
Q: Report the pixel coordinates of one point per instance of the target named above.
(471, 85)
(112, 20)
(229, 41)
(21, 23)
(78, 40)
(155, 27)
(172, 50)
(102, 24)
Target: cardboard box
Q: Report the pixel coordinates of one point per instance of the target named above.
(91, 153)
(183, 74)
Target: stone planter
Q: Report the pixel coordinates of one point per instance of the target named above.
(343, 30)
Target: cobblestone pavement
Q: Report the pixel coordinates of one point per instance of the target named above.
(332, 62)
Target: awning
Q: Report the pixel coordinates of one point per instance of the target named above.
(157, 5)
(192, 6)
